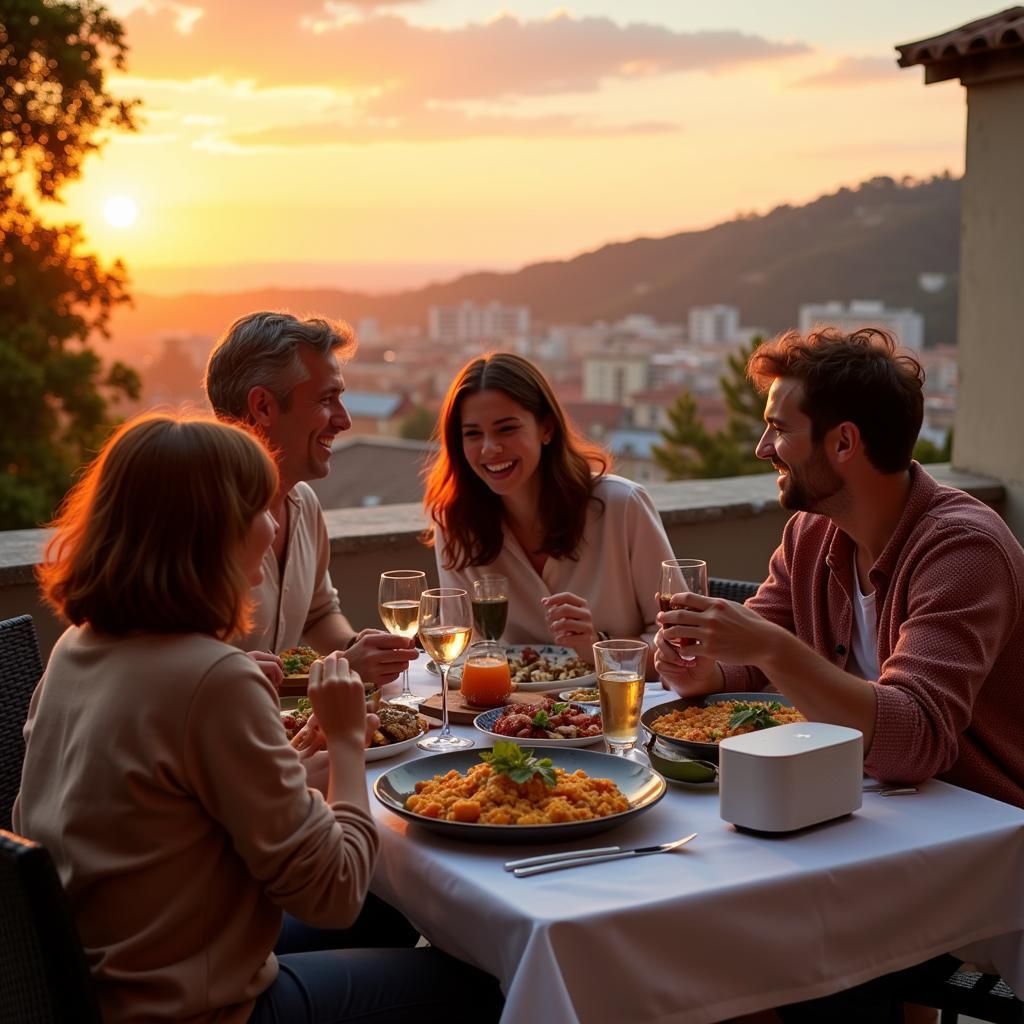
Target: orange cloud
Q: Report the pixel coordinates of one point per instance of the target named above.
(438, 125)
(395, 79)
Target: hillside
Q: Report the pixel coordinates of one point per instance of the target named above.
(866, 243)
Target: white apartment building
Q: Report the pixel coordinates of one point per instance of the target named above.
(905, 324)
(471, 322)
(713, 325)
(613, 377)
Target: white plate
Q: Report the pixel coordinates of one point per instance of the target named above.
(379, 753)
(488, 718)
(553, 652)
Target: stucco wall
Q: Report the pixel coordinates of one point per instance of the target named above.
(989, 436)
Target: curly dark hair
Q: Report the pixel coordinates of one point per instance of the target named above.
(858, 378)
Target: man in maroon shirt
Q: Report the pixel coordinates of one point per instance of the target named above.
(893, 605)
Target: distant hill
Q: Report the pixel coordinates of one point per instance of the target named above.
(871, 242)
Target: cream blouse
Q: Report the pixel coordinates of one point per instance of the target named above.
(618, 570)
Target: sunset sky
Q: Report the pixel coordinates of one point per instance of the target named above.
(466, 133)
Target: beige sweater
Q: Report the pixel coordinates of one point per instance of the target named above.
(158, 775)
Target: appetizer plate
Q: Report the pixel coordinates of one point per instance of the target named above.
(641, 786)
(485, 723)
(391, 749)
(553, 652)
(693, 748)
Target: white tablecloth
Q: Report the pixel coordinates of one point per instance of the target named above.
(730, 924)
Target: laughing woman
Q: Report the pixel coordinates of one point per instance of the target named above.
(514, 490)
(158, 775)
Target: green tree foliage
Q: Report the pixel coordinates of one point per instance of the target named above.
(927, 451)
(54, 389)
(692, 452)
(418, 425)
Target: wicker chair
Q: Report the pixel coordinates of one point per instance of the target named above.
(948, 986)
(20, 669)
(732, 590)
(43, 974)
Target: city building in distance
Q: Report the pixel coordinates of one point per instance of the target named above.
(905, 324)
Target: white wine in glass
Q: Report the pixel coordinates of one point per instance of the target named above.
(445, 624)
(398, 601)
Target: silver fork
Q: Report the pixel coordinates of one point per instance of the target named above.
(577, 858)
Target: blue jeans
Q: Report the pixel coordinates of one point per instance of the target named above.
(363, 973)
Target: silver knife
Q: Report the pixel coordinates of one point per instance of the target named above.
(581, 857)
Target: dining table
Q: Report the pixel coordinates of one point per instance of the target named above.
(732, 922)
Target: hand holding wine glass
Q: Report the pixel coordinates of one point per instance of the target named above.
(398, 601)
(679, 576)
(445, 623)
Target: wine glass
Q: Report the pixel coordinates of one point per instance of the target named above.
(398, 601)
(678, 576)
(490, 606)
(445, 624)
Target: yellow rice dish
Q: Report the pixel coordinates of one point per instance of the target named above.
(710, 724)
(484, 797)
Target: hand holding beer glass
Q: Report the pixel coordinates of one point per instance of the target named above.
(621, 667)
(680, 576)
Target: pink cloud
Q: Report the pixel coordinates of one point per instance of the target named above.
(851, 71)
(394, 75)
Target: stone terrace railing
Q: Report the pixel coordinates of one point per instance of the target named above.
(734, 524)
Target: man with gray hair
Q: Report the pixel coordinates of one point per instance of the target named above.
(281, 375)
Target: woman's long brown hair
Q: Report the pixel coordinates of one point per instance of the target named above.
(150, 538)
(467, 511)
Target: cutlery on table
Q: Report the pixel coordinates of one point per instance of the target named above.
(577, 858)
(880, 789)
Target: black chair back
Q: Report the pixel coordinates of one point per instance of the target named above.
(44, 977)
(732, 590)
(20, 669)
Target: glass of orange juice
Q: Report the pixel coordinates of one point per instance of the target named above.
(486, 679)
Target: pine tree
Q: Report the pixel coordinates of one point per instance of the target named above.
(691, 452)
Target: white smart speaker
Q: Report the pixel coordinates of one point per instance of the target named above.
(790, 776)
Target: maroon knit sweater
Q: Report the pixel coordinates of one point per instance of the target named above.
(950, 601)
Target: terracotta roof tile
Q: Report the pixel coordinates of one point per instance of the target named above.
(986, 36)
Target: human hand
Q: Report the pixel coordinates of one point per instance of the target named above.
(270, 665)
(339, 699)
(690, 676)
(724, 630)
(380, 657)
(310, 738)
(571, 623)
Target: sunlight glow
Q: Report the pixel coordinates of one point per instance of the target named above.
(120, 211)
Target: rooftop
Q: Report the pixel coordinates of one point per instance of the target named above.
(973, 52)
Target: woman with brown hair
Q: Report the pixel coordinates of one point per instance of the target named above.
(515, 490)
(157, 771)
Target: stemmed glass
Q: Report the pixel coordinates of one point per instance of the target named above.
(445, 624)
(398, 601)
(678, 576)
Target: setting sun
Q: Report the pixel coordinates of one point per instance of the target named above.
(120, 211)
